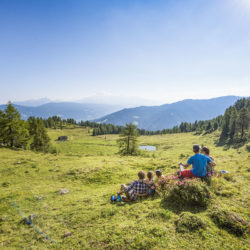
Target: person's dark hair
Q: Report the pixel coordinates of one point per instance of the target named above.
(141, 175)
(196, 148)
(150, 175)
(158, 173)
(205, 150)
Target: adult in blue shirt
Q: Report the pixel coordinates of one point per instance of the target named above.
(199, 164)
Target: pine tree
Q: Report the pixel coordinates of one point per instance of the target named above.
(209, 127)
(243, 122)
(14, 131)
(2, 116)
(61, 125)
(128, 141)
(94, 132)
(232, 124)
(215, 126)
(40, 138)
(225, 126)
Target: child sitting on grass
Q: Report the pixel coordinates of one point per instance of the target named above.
(159, 178)
(136, 189)
(210, 167)
(150, 182)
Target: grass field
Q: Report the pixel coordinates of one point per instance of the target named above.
(90, 168)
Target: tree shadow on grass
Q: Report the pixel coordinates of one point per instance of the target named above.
(12, 148)
(177, 208)
(227, 145)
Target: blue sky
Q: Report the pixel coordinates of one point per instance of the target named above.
(159, 50)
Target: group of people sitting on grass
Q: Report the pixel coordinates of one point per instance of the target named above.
(202, 167)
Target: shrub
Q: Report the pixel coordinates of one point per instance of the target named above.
(53, 150)
(223, 187)
(181, 156)
(229, 177)
(228, 220)
(248, 147)
(156, 214)
(5, 184)
(186, 192)
(189, 222)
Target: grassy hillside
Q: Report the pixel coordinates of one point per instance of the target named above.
(92, 171)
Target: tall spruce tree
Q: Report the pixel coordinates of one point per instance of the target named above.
(225, 126)
(2, 117)
(14, 132)
(38, 133)
(232, 124)
(128, 141)
(215, 126)
(243, 123)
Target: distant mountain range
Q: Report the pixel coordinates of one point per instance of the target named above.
(100, 98)
(33, 102)
(77, 111)
(145, 117)
(169, 115)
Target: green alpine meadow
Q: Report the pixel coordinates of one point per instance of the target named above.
(90, 170)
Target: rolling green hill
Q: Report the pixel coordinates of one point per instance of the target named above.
(92, 171)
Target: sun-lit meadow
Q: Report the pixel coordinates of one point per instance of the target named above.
(90, 168)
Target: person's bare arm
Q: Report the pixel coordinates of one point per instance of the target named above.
(213, 163)
(184, 165)
(122, 189)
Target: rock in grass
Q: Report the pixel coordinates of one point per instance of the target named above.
(63, 191)
(39, 197)
(67, 234)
